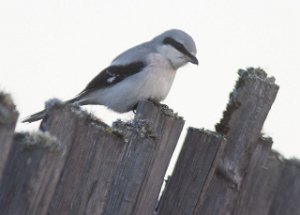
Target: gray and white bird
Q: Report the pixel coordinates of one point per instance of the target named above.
(143, 72)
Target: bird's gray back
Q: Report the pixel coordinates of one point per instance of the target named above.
(134, 54)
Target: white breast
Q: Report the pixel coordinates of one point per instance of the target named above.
(160, 77)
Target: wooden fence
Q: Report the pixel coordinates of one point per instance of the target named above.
(76, 164)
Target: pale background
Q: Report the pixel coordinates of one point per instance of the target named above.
(54, 48)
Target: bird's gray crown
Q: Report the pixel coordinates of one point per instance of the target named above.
(176, 38)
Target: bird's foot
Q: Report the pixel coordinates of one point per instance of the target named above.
(157, 103)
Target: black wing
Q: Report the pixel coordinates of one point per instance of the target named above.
(112, 75)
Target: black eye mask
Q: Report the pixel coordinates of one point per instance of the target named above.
(178, 46)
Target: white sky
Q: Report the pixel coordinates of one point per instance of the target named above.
(54, 48)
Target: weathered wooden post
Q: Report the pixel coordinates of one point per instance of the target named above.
(32, 171)
(287, 195)
(197, 162)
(260, 183)
(248, 107)
(8, 119)
(91, 160)
(137, 183)
(242, 122)
(34, 167)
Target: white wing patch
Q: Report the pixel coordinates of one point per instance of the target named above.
(111, 79)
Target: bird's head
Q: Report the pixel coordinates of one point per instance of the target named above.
(177, 47)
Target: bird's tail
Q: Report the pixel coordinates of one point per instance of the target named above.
(40, 115)
(35, 117)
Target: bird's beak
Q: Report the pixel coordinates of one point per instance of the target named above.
(193, 59)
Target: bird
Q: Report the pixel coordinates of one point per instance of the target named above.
(143, 72)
